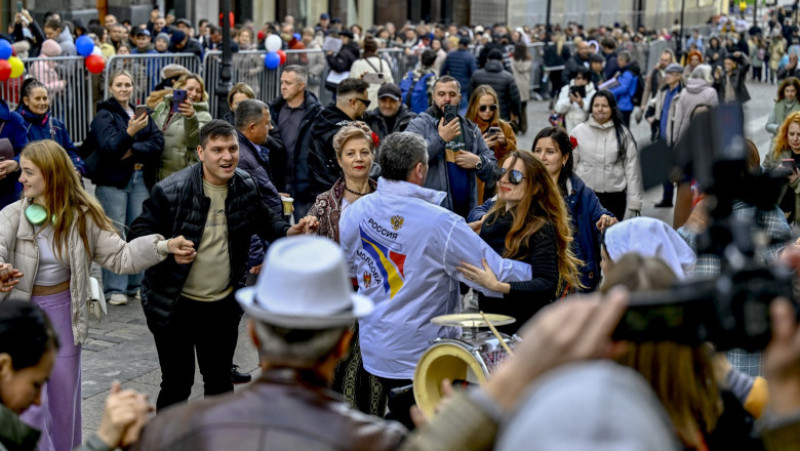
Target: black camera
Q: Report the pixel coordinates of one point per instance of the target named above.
(732, 309)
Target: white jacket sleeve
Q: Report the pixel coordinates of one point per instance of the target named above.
(464, 245)
(633, 175)
(112, 252)
(563, 104)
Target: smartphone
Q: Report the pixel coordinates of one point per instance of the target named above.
(789, 164)
(140, 111)
(19, 6)
(178, 97)
(6, 149)
(493, 131)
(450, 113)
(373, 79)
(578, 90)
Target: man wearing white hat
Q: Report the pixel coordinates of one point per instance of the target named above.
(404, 249)
(300, 311)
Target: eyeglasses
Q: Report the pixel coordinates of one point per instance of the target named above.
(492, 107)
(515, 177)
(366, 102)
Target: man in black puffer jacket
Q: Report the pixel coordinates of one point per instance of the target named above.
(503, 84)
(190, 305)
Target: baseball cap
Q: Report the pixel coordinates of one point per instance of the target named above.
(141, 32)
(390, 90)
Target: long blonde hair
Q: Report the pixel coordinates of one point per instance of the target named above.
(682, 376)
(64, 198)
(541, 203)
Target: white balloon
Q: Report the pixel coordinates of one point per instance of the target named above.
(97, 51)
(274, 43)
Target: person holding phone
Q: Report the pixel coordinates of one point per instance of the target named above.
(125, 159)
(457, 153)
(483, 109)
(373, 69)
(573, 99)
(180, 116)
(786, 155)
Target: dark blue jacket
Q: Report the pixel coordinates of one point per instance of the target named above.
(39, 129)
(459, 65)
(14, 130)
(108, 141)
(584, 211)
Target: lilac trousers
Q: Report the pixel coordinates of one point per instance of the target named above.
(59, 415)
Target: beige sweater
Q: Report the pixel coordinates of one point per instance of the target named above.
(19, 247)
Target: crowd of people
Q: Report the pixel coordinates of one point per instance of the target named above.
(417, 194)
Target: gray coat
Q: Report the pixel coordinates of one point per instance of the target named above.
(427, 126)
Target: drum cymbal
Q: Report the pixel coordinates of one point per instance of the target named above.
(472, 320)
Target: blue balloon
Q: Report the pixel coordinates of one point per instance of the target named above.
(297, 36)
(85, 46)
(6, 50)
(272, 60)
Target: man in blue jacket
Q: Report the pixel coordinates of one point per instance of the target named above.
(628, 79)
(460, 65)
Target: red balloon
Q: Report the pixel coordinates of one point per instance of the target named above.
(5, 70)
(95, 64)
(282, 54)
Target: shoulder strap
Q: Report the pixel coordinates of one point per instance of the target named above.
(372, 66)
(2, 126)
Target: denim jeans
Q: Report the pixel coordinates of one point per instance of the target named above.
(122, 206)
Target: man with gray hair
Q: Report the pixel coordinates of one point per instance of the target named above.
(253, 123)
(404, 250)
(294, 113)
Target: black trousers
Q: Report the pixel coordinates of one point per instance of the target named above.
(626, 117)
(615, 203)
(209, 329)
(399, 407)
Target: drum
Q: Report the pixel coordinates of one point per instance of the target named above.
(471, 358)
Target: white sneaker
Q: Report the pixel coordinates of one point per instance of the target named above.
(118, 299)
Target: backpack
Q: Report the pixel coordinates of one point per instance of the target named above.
(636, 98)
(415, 92)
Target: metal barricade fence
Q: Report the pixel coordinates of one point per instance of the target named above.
(69, 89)
(146, 71)
(248, 67)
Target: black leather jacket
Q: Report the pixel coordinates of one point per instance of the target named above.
(178, 206)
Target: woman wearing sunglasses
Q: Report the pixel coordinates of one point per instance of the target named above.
(529, 222)
(484, 110)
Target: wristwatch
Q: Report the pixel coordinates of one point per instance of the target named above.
(479, 164)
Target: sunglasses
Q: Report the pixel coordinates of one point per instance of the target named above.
(515, 177)
(366, 102)
(492, 107)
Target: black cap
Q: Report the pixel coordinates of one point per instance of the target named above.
(141, 32)
(463, 41)
(390, 90)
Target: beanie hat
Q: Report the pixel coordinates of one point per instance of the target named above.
(177, 37)
(162, 37)
(50, 48)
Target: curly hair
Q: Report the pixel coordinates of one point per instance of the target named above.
(354, 130)
(541, 203)
(782, 138)
(786, 82)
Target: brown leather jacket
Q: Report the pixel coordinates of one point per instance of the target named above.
(283, 410)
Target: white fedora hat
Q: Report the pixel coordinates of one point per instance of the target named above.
(304, 285)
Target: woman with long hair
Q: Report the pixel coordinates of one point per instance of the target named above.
(787, 147)
(529, 222)
(52, 236)
(606, 157)
(484, 110)
(785, 104)
(126, 156)
(371, 63)
(181, 128)
(587, 216)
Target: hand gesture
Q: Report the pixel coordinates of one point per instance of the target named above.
(491, 140)
(450, 130)
(605, 222)
(793, 176)
(306, 226)
(182, 250)
(476, 225)
(123, 410)
(8, 167)
(9, 276)
(186, 109)
(467, 160)
(484, 277)
(154, 15)
(137, 124)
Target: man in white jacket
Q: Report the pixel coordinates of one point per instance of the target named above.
(403, 249)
